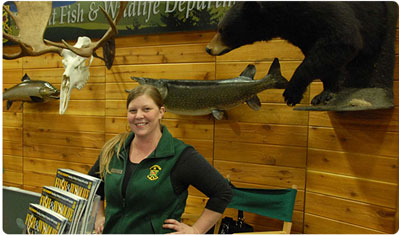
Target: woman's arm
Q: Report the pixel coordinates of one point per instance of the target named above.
(205, 222)
(100, 218)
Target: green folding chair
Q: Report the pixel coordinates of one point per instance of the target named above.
(272, 203)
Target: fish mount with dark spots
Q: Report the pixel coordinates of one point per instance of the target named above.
(33, 91)
(200, 97)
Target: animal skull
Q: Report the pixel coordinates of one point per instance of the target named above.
(76, 72)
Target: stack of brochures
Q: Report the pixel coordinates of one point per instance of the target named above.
(68, 207)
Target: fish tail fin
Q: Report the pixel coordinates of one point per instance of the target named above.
(274, 75)
(249, 72)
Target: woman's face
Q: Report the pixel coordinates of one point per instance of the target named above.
(144, 115)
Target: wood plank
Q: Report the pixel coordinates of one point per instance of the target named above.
(352, 164)
(269, 113)
(12, 119)
(12, 76)
(36, 189)
(178, 53)
(363, 141)
(262, 51)
(278, 176)
(261, 133)
(75, 107)
(189, 71)
(54, 75)
(37, 121)
(36, 180)
(204, 147)
(63, 138)
(260, 154)
(49, 167)
(117, 91)
(11, 64)
(11, 176)
(49, 60)
(13, 185)
(380, 120)
(360, 214)
(12, 163)
(12, 148)
(165, 39)
(12, 134)
(193, 129)
(314, 224)
(15, 107)
(60, 153)
(357, 189)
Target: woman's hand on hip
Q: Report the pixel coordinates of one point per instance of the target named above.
(179, 227)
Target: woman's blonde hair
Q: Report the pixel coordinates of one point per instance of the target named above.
(108, 149)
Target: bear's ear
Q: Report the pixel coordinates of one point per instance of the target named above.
(251, 7)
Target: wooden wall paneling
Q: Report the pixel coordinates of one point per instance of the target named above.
(262, 51)
(11, 64)
(63, 123)
(174, 38)
(49, 167)
(269, 113)
(11, 77)
(12, 177)
(353, 164)
(12, 148)
(162, 54)
(49, 60)
(78, 154)
(358, 189)
(261, 133)
(63, 138)
(12, 134)
(355, 140)
(75, 107)
(12, 163)
(371, 216)
(34, 181)
(12, 119)
(266, 154)
(283, 177)
(188, 71)
(314, 224)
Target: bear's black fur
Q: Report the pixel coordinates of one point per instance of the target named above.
(345, 44)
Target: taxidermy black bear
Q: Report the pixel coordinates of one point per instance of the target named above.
(347, 45)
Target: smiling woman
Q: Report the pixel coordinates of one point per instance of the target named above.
(147, 173)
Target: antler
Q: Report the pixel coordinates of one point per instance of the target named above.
(111, 32)
(31, 21)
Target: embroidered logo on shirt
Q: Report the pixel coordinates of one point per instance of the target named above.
(154, 170)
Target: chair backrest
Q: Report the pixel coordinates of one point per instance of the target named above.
(272, 203)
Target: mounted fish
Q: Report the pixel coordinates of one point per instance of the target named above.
(33, 91)
(200, 97)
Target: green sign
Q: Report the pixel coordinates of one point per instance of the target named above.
(71, 19)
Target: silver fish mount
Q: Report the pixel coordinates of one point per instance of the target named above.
(33, 91)
(200, 97)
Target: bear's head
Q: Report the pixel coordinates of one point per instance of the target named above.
(239, 26)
